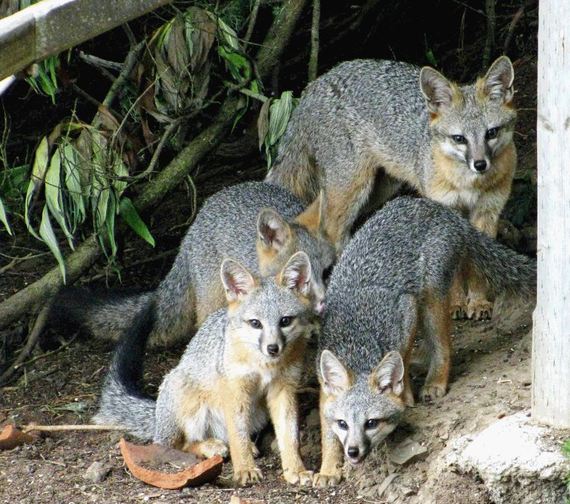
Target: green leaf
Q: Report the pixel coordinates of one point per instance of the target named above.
(70, 164)
(120, 170)
(130, 215)
(4, 218)
(279, 115)
(110, 223)
(36, 181)
(48, 237)
(54, 197)
(227, 35)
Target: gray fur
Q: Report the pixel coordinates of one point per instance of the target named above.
(225, 226)
(376, 296)
(208, 360)
(367, 115)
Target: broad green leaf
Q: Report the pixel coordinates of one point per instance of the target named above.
(48, 237)
(279, 115)
(70, 164)
(263, 122)
(100, 182)
(227, 35)
(36, 180)
(4, 218)
(130, 215)
(54, 197)
(120, 170)
(110, 223)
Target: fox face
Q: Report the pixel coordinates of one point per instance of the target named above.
(267, 315)
(278, 239)
(362, 410)
(472, 124)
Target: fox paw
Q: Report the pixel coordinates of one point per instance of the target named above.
(245, 477)
(321, 480)
(212, 447)
(458, 311)
(430, 393)
(479, 309)
(254, 450)
(302, 477)
(207, 448)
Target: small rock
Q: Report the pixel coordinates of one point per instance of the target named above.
(236, 499)
(407, 451)
(97, 472)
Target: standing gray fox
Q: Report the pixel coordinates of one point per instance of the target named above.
(244, 362)
(392, 281)
(365, 127)
(259, 224)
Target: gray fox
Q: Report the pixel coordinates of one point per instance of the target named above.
(366, 126)
(224, 227)
(244, 360)
(393, 280)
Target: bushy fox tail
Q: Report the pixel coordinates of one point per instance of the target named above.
(293, 168)
(122, 401)
(105, 315)
(504, 269)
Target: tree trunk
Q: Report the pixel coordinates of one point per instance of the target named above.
(551, 336)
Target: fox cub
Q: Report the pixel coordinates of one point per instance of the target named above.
(366, 126)
(258, 224)
(392, 281)
(243, 361)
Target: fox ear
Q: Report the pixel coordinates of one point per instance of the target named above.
(498, 82)
(389, 374)
(273, 231)
(336, 378)
(296, 274)
(437, 90)
(312, 218)
(238, 282)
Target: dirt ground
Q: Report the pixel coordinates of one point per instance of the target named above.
(491, 378)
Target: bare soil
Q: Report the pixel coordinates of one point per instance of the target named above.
(491, 378)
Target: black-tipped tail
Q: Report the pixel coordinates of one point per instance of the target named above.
(122, 400)
(105, 315)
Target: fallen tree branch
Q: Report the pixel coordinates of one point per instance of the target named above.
(28, 348)
(314, 57)
(173, 174)
(69, 427)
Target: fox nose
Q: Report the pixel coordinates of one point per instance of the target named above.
(353, 451)
(273, 349)
(480, 165)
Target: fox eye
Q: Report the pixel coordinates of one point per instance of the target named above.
(256, 324)
(285, 321)
(327, 274)
(372, 423)
(491, 133)
(342, 424)
(459, 139)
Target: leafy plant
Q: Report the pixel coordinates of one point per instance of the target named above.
(82, 173)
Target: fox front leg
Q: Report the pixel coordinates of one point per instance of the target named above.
(238, 405)
(332, 454)
(478, 305)
(282, 403)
